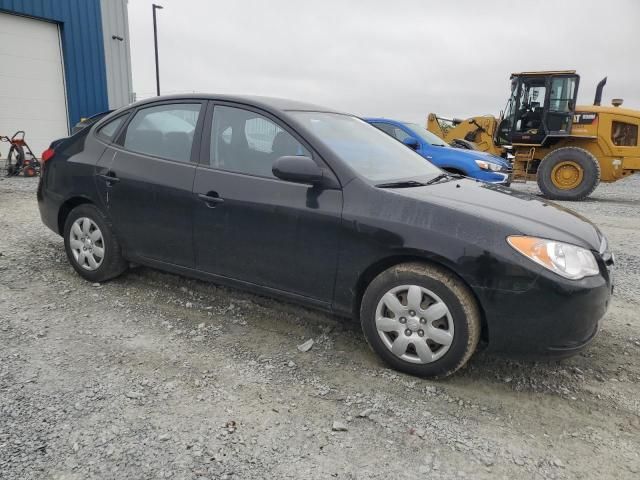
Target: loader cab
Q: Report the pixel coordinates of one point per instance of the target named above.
(540, 107)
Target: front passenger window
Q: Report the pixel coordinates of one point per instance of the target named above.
(164, 131)
(246, 142)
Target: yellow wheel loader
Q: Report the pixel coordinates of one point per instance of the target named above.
(569, 149)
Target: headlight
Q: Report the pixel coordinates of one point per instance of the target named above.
(568, 261)
(484, 165)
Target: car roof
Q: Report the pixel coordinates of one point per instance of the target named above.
(382, 119)
(399, 123)
(269, 103)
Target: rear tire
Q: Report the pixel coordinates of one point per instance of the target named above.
(434, 310)
(568, 173)
(91, 246)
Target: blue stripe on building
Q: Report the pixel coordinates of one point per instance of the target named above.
(82, 49)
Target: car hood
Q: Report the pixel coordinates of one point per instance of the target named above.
(470, 155)
(518, 213)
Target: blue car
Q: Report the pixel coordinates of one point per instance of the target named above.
(470, 163)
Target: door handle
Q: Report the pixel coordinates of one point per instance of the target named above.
(211, 199)
(110, 178)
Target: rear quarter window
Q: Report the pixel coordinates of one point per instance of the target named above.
(108, 131)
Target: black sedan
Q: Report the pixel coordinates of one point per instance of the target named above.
(304, 203)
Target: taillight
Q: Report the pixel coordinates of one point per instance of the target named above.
(47, 155)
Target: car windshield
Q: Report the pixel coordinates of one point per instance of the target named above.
(372, 153)
(426, 135)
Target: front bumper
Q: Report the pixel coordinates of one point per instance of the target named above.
(556, 317)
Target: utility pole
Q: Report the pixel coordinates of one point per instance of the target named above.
(155, 7)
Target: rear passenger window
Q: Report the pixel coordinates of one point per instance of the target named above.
(109, 130)
(164, 131)
(246, 142)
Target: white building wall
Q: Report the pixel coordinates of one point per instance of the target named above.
(32, 87)
(117, 53)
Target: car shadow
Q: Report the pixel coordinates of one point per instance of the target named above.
(561, 377)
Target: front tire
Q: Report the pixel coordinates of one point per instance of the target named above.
(420, 319)
(568, 173)
(91, 247)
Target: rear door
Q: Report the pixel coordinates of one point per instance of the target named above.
(147, 179)
(254, 227)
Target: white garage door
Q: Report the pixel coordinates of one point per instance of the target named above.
(32, 94)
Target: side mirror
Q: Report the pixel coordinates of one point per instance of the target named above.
(297, 169)
(412, 143)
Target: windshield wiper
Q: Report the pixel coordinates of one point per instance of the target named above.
(401, 184)
(438, 178)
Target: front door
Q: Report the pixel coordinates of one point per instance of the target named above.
(147, 179)
(253, 227)
(562, 105)
(529, 127)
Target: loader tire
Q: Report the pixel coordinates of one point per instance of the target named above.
(568, 173)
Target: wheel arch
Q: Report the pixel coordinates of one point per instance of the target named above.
(456, 164)
(66, 208)
(594, 145)
(382, 264)
(454, 170)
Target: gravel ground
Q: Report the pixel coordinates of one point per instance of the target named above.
(156, 376)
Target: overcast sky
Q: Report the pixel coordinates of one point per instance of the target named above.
(400, 59)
